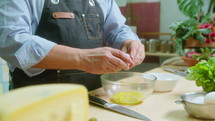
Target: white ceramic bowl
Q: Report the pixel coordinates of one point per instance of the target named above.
(165, 81)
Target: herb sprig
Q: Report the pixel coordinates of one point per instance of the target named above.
(204, 55)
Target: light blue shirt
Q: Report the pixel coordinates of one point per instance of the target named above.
(21, 48)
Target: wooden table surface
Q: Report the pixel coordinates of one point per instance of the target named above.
(160, 106)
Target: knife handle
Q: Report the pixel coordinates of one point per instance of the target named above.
(97, 101)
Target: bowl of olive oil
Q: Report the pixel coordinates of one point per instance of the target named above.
(128, 88)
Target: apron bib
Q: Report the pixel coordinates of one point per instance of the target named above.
(75, 23)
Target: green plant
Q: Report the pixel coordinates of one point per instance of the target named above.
(203, 73)
(204, 55)
(183, 30)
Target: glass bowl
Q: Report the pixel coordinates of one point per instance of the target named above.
(129, 88)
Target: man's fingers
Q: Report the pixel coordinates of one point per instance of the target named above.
(137, 53)
(121, 64)
(120, 59)
(112, 66)
(122, 56)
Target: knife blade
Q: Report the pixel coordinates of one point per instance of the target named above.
(180, 73)
(117, 108)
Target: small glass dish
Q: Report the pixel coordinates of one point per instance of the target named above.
(128, 88)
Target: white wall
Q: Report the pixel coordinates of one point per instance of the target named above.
(169, 14)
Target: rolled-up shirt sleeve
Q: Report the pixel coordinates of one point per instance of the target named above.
(18, 44)
(115, 29)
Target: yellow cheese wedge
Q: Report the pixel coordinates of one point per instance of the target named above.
(51, 102)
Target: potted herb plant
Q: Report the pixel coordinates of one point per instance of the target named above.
(193, 57)
(198, 27)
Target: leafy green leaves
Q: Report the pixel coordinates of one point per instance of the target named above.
(190, 8)
(198, 34)
(204, 74)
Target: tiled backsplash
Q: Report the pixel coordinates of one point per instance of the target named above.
(4, 77)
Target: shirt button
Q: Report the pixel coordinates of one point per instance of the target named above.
(72, 15)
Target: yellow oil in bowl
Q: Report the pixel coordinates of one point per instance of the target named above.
(128, 98)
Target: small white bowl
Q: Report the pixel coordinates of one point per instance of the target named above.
(165, 81)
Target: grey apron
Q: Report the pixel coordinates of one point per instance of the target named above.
(75, 23)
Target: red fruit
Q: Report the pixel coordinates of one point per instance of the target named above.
(212, 34)
(201, 26)
(207, 40)
(208, 25)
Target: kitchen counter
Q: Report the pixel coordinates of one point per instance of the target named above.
(160, 106)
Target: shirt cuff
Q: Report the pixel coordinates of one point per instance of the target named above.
(31, 53)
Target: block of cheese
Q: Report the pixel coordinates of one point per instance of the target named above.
(49, 102)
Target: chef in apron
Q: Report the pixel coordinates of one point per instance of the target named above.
(63, 41)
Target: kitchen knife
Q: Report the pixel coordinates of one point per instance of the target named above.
(117, 108)
(180, 73)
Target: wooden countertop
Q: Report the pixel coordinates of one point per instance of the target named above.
(160, 106)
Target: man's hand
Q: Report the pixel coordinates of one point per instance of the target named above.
(104, 60)
(136, 50)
